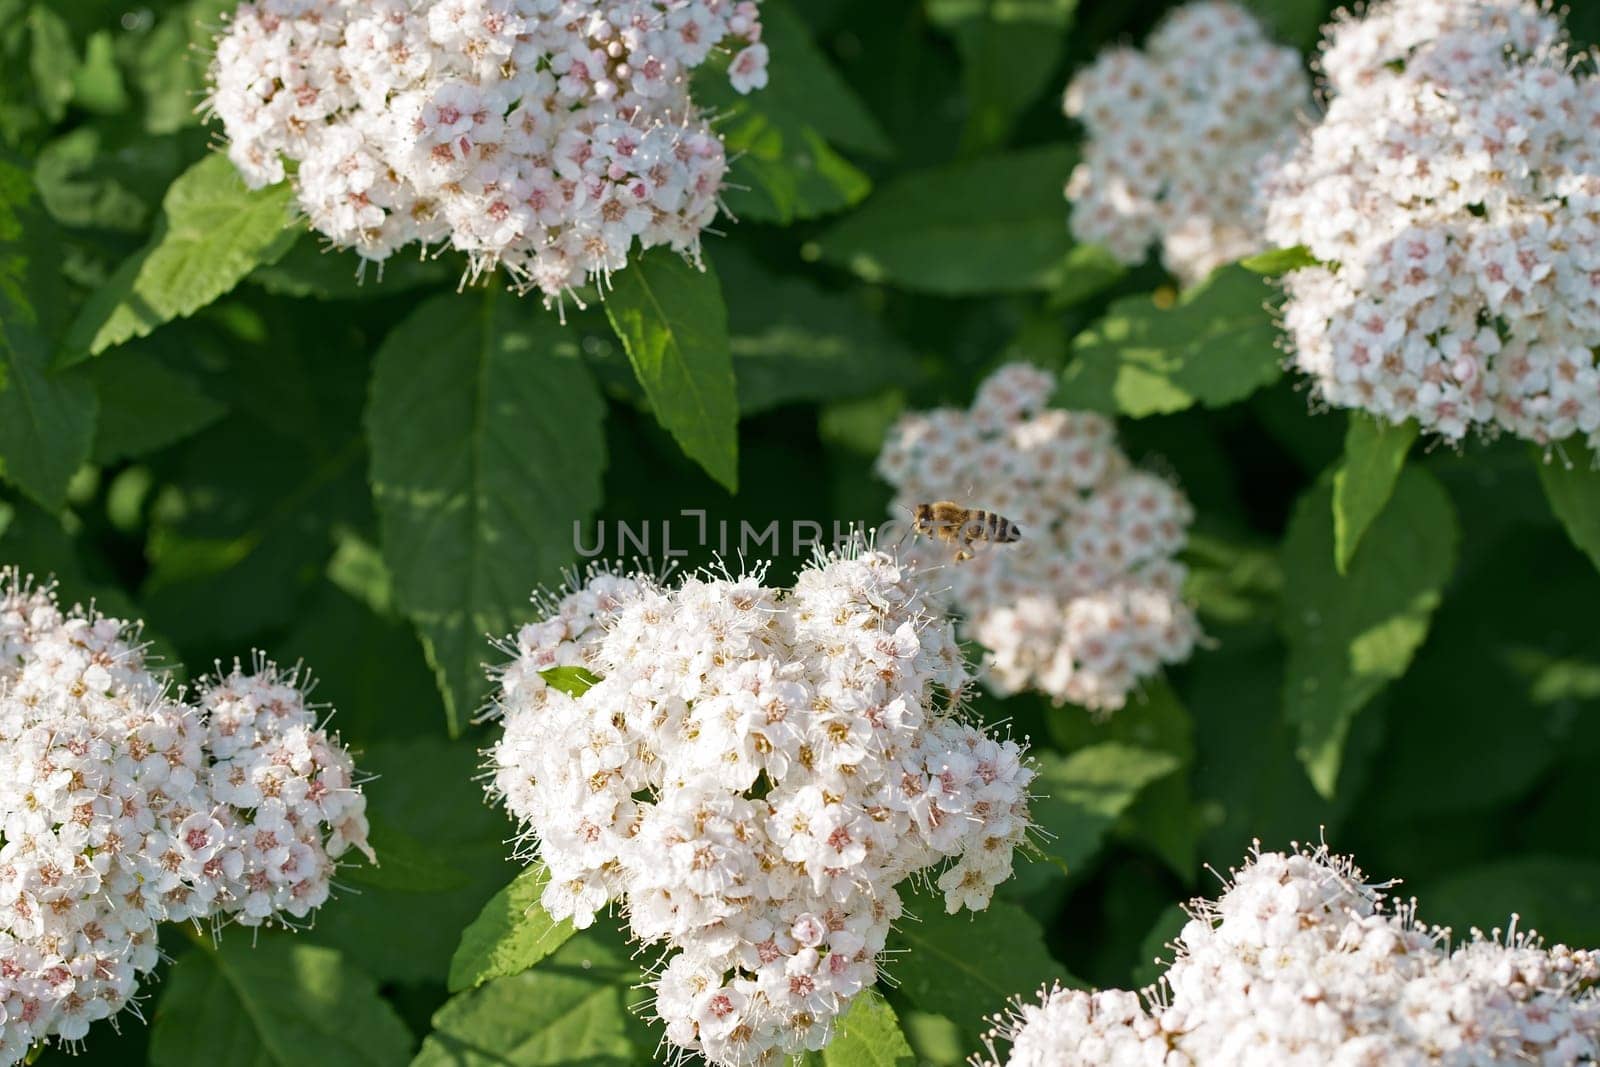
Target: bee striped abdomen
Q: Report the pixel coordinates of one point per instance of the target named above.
(999, 529)
(953, 524)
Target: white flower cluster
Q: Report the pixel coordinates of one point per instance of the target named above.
(542, 135)
(751, 777)
(1090, 601)
(123, 806)
(1301, 964)
(1452, 194)
(1176, 134)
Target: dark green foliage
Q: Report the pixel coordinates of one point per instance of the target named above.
(209, 422)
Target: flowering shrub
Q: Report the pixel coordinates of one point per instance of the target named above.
(1091, 604)
(544, 136)
(1176, 135)
(124, 806)
(1240, 574)
(758, 770)
(1449, 194)
(1301, 961)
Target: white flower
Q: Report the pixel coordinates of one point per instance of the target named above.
(751, 779)
(546, 136)
(123, 805)
(1448, 190)
(1176, 134)
(1302, 963)
(1089, 603)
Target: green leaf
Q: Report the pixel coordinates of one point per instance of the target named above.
(97, 84)
(811, 85)
(404, 864)
(1232, 583)
(1571, 481)
(1280, 261)
(511, 934)
(1087, 271)
(1350, 636)
(106, 177)
(967, 966)
(671, 320)
(992, 225)
(1559, 896)
(868, 1035)
(264, 1000)
(935, 1039)
(1082, 795)
(1374, 453)
(1297, 22)
(794, 341)
(572, 1009)
(1154, 955)
(487, 446)
(574, 681)
(1010, 51)
(1524, 613)
(47, 416)
(365, 659)
(54, 60)
(40, 545)
(1215, 347)
(1162, 814)
(146, 405)
(308, 269)
(427, 800)
(245, 526)
(213, 231)
(1236, 694)
(781, 163)
(357, 569)
(169, 68)
(21, 115)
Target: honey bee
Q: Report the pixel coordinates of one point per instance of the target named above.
(947, 521)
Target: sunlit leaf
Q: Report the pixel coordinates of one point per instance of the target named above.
(1083, 795)
(867, 1035)
(511, 934)
(1215, 347)
(968, 965)
(1351, 635)
(571, 1009)
(1279, 261)
(674, 326)
(1374, 453)
(213, 231)
(1572, 483)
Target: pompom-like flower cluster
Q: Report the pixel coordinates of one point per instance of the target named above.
(124, 806)
(1301, 964)
(1176, 134)
(1452, 194)
(1090, 601)
(546, 136)
(750, 778)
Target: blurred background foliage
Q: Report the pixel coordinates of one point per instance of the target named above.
(253, 470)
